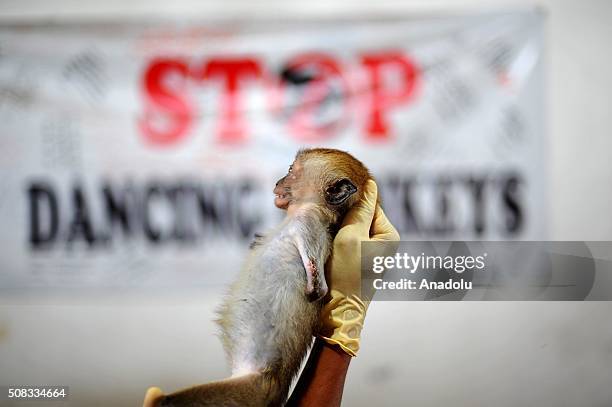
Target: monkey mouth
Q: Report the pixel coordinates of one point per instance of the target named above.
(281, 200)
(282, 197)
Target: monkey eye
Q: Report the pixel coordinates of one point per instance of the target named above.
(291, 168)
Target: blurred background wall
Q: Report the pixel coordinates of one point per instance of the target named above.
(109, 349)
(577, 92)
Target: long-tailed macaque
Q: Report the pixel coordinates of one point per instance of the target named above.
(271, 312)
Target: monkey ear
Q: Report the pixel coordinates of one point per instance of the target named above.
(340, 191)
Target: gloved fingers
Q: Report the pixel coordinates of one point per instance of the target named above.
(382, 229)
(151, 396)
(360, 216)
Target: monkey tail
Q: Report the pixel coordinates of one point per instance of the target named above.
(243, 391)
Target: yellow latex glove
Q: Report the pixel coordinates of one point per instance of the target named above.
(343, 315)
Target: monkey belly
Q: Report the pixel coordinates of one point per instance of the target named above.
(267, 322)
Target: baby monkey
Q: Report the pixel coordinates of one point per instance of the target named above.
(271, 312)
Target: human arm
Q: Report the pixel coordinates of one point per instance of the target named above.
(322, 380)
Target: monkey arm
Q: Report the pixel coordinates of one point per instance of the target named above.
(313, 250)
(322, 380)
(257, 240)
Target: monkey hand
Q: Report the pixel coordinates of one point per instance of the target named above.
(343, 315)
(152, 396)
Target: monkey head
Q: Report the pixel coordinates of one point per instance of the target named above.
(330, 179)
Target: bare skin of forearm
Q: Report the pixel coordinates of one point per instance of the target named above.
(322, 380)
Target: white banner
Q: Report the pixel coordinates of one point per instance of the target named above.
(144, 155)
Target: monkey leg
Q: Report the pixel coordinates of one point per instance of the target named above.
(244, 391)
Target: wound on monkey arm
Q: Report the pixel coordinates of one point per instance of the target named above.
(312, 277)
(316, 286)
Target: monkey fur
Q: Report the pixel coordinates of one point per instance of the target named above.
(271, 312)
